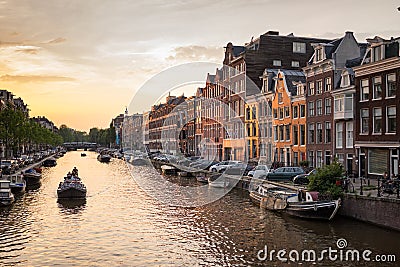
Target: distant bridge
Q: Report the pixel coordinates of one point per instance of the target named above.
(79, 145)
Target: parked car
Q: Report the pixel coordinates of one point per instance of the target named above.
(302, 179)
(243, 168)
(223, 165)
(259, 171)
(284, 173)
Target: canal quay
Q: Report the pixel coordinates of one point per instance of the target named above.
(120, 224)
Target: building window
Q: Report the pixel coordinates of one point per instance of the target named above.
(311, 133)
(248, 113)
(280, 113)
(319, 159)
(377, 120)
(328, 84)
(319, 133)
(327, 157)
(287, 112)
(377, 88)
(310, 109)
(391, 85)
(328, 132)
(339, 105)
(364, 121)
(349, 134)
(295, 135)
(270, 129)
(280, 98)
(319, 87)
(339, 135)
(311, 158)
(364, 90)
(287, 129)
(340, 158)
(345, 80)
(319, 54)
(328, 106)
(295, 112)
(299, 47)
(254, 113)
(254, 130)
(391, 119)
(302, 111)
(276, 133)
(295, 64)
(302, 134)
(319, 107)
(310, 86)
(275, 113)
(277, 63)
(377, 53)
(281, 133)
(296, 158)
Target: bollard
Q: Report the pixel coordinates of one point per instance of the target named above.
(379, 187)
(397, 185)
(369, 181)
(361, 186)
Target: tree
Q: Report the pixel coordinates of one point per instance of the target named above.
(324, 180)
(10, 122)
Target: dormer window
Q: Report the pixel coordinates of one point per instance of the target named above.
(345, 80)
(376, 53)
(319, 54)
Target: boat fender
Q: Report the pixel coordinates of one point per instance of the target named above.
(315, 207)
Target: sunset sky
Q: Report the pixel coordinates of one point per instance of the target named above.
(80, 62)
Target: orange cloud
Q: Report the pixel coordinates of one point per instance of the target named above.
(56, 40)
(196, 52)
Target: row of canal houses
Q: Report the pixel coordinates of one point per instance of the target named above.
(288, 100)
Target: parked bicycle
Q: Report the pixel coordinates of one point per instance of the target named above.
(389, 187)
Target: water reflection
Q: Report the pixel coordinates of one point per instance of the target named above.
(71, 206)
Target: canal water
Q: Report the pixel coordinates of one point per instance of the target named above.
(119, 224)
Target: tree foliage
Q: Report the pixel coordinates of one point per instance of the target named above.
(17, 130)
(324, 180)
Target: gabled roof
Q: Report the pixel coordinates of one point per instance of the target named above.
(290, 77)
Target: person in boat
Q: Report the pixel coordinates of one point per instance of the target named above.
(69, 175)
(75, 172)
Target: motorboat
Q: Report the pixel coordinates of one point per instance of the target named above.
(71, 188)
(50, 162)
(17, 183)
(32, 177)
(300, 203)
(83, 154)
(6, 196)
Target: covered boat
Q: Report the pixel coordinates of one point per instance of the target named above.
(71, 187)
(32, 177)
(104, 158)
(50, 162)
(17, 183)
(6, 196)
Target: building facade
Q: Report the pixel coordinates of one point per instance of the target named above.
(377, 129)
(323, 74)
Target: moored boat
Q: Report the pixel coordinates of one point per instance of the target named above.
(104, 158)
(17, 183)
(32, 177)
(202, 179)
(6, 196)
(140, 161)
(218, 180)
(50, 162)
(83, 154)
(300, 203)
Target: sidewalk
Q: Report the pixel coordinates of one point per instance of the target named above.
(369, 187)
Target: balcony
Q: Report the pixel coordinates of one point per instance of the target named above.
(344, 108)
